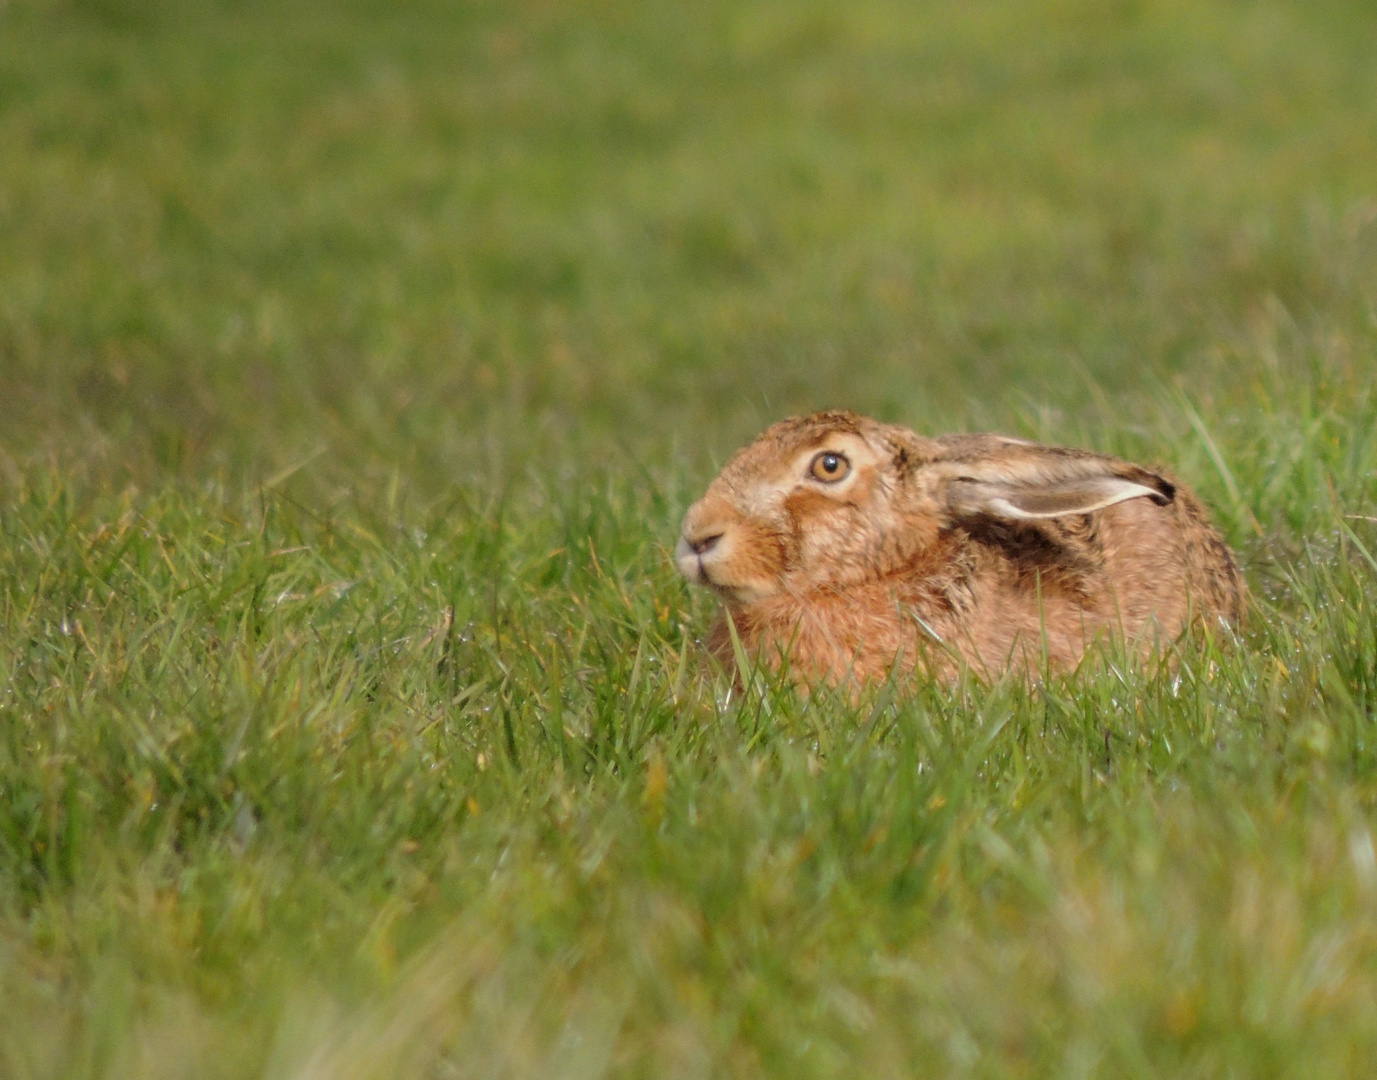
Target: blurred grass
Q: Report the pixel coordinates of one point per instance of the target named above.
(356, 364)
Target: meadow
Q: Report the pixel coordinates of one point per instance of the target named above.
(357, 362)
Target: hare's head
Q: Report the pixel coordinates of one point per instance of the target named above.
(833, 499)
(814, 500)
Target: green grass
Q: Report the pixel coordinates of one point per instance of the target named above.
(356, 364)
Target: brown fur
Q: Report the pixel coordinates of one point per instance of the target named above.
(965, 549)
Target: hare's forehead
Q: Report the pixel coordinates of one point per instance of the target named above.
(770, 465)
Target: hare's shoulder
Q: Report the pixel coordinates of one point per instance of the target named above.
(1051, 555)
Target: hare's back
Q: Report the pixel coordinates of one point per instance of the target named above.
(1168, 563)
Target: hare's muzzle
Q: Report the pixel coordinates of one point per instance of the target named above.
(694, 551)
(731, 553)
(701, 543)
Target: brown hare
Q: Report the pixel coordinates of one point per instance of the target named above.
(851, 546)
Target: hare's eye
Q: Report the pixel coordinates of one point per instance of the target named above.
(829, 467)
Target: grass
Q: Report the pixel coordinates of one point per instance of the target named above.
(357, 362)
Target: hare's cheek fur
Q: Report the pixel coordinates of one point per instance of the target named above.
(838, 535)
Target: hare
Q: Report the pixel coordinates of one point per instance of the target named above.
(852, 546)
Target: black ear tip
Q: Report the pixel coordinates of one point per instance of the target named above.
(1166, 492)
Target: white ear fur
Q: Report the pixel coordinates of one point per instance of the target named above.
(1031, 501)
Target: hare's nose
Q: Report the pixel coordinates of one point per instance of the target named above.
(702, 544)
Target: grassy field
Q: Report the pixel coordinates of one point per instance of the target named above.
(357, 361)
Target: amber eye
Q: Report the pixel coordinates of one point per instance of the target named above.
(829, 467)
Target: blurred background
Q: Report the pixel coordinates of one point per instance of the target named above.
(453, 239)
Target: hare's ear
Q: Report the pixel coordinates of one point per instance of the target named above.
(1008, 498)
